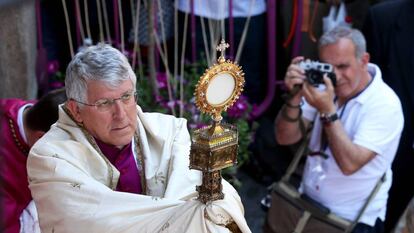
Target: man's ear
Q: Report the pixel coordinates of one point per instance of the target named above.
(365, 59)
(73, 108)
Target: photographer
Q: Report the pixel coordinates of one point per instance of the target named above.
(356, 129)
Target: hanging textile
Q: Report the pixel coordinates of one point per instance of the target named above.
(166, 14)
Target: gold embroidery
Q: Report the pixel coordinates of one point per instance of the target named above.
(138, 152)
(76, 185)
(141, 162)
(229, 223)
(91, 140)
(19, 145)
(222, 219)
(159, 178)
(154, 198)
(165, 226)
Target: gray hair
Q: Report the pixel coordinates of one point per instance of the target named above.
(100, 62)
(337, 33)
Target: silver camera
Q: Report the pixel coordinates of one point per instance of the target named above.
(315, 70)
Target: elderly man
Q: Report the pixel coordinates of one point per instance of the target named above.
(356, 130)
(108, 167)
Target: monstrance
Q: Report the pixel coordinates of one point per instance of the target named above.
(214, 147)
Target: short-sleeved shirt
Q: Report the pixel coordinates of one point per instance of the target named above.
(372, 119)
(219, 9)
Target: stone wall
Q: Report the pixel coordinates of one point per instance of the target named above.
(18, 50)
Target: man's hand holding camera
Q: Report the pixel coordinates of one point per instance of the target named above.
(302, 79)
(301, 82)
(320, 99)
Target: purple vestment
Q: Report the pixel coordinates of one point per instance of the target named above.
(124, 160)
(14, 190)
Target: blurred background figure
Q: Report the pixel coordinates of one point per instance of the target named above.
(406, 222)
(23, 123)
(390, 35)
(242, 23)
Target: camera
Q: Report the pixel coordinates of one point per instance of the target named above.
(315, 71)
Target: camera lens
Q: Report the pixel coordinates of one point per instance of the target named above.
(314, 77)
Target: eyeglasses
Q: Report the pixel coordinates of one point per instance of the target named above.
(104, 105)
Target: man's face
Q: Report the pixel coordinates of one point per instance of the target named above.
(349, 70)
(115, 125)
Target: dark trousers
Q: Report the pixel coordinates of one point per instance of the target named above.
(364, 228)
(359, 228)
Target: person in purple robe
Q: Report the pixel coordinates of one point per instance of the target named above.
(23, 122)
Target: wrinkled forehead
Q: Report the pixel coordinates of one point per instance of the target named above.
(100, 90)
(338, 52)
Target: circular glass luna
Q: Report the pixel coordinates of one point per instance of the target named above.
(220, 89)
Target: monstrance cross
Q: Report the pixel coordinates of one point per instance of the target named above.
(222, 47)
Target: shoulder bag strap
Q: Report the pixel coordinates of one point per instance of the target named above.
(369, 199)
(299, 153)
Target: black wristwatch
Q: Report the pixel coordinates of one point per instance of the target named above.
(327, 118)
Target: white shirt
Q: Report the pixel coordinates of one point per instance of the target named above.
(20, 121)
(219, 9)
(374, 120)
(29, 221)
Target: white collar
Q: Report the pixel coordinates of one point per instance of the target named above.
(20, 122)
(375, 74)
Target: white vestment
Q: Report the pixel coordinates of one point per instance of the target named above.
(73, 184)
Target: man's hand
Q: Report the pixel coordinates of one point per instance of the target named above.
(287, 123)
(294, 79)
(322, 100)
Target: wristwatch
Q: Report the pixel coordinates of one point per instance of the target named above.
(327, 118)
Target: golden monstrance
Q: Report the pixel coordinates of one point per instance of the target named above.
(214, 147)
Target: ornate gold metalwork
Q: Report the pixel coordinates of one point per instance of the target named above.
(214, 151)
(214, 147)
(224, 69)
